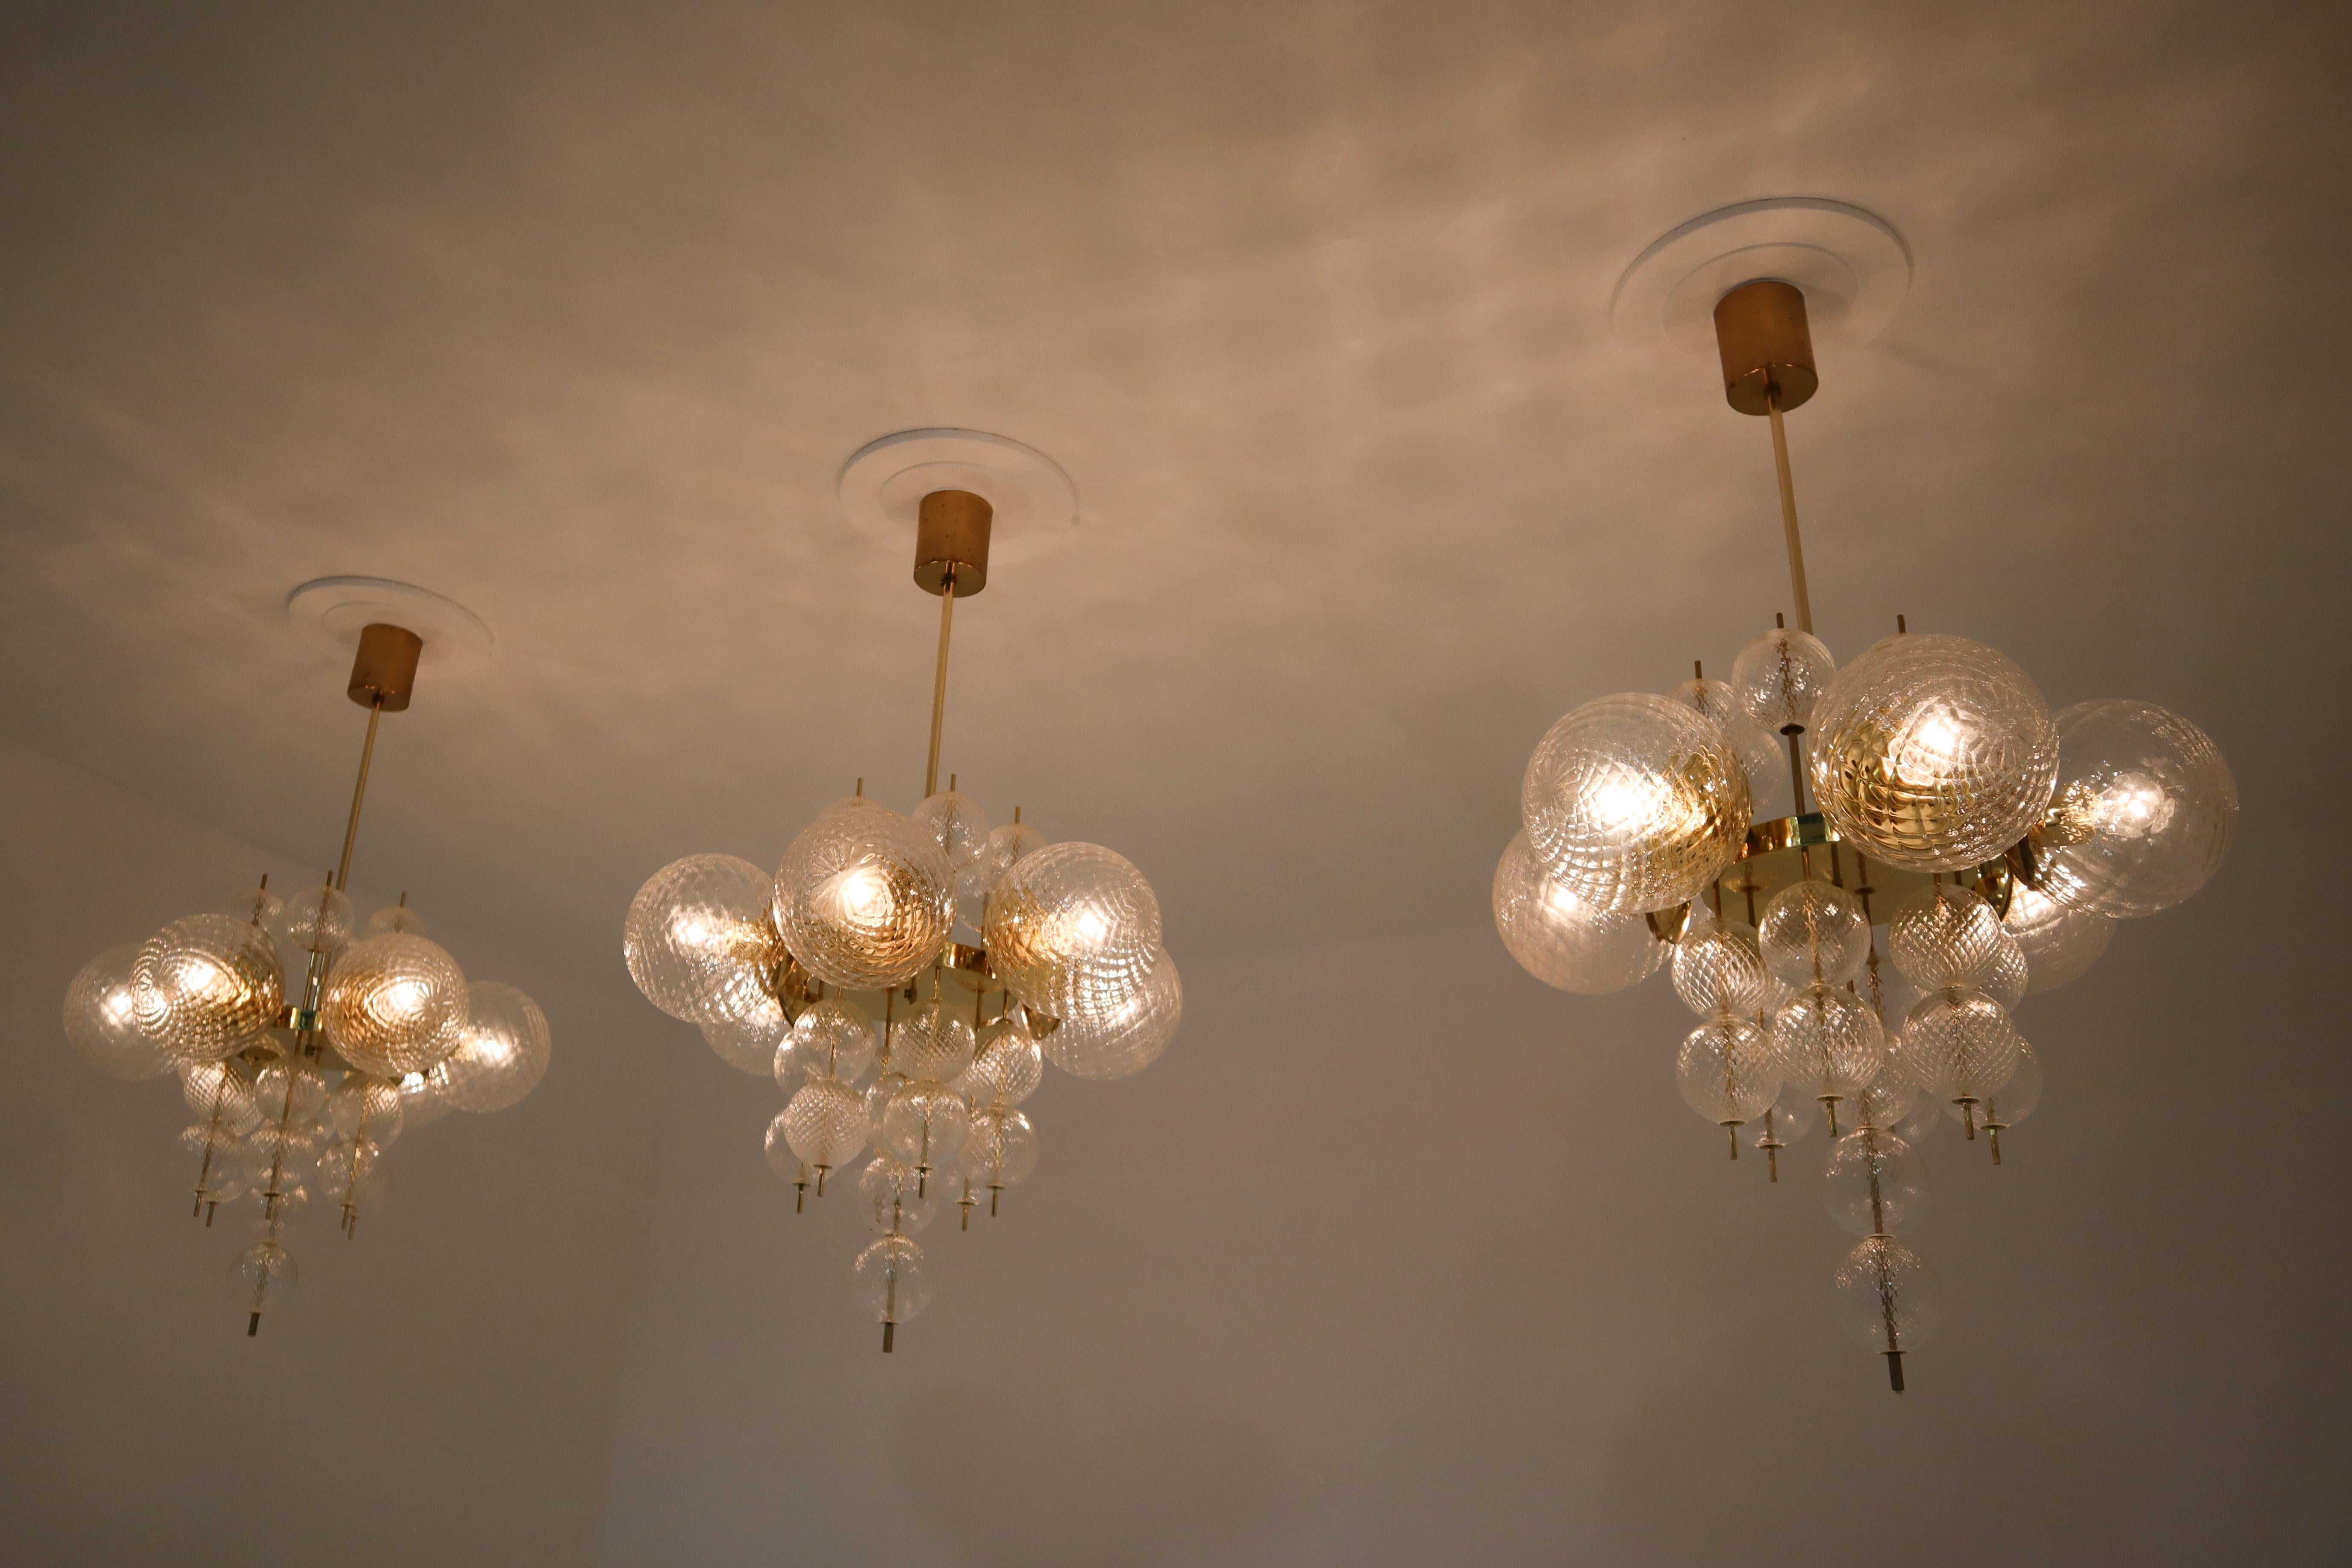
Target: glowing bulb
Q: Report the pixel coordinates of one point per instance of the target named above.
(862, 894)
(2134, 806)
(1932, 745)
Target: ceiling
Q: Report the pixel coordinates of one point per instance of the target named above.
(574, 314)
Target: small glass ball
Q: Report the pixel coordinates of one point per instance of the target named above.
(2014, 1101)
(206, 986)
(1957, 1044)
(1001, 1150)
(1876, 1184)
(1758, 748)
(102, 1018)
(1561, 940)
(1829, 1041)
(1889, 1297)
(2144, 811)
(864, 896)
(833, 1038)
(394, 1003)
(221, 1093)
(933, 1043)
(893, 1280)
(1885, 1101)
(1948, 936)
(1814, 931)
(1073, 929)
(2009, 976)
(824, 1122)
(1933, 753)
(879, 1096)
(274, 1214)
(893, 1198)
(1726, 1070)
(396, 918)
(750, 1040)
(976, 880)
(925, 1125)
(1778, 678)
(257, 906)
(278, 1159)
(956, 823)
(503, 1053)
(2060, 944)
(211, 1161)
(1717, 966)
(315, 920)
(1788, 1118)
(698, 940)
(293, 1090)
(778, 1147)
(1635, 803)
(351, 1174)
(262, 1278)
(1008, 1068)
(422, 1103)
(365, 1107)
(1130, 1039)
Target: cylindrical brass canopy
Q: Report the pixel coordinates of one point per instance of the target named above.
(386, 666)
(1761, 329)
(951, 529)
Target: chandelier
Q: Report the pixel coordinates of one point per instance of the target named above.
(1942, 819)
(299, 1088)
(948, 959)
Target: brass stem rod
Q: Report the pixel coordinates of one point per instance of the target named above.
(939, 683)
(1789, 511)
(359, 793)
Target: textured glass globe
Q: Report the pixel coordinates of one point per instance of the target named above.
(1001, 1150)
(893, 1280)
(365, 1107)
(924, 1126)
(315, 920)
(978, 878)
(1957, 1044)
(956, 823)
(824, 1122)
(293, 1091)
(1717, 968)
(777, 1148)
(221, 1093)
(834, 1038)
(1778, 678)
(1788, 1118)
(1933, 753)
(1008, 1068)
(278, 1159)
(394, 1003)
(2060, 944)
(1726, 1070)
(1758, 748)
(1073, 929)
(422, 1103)
(205, 986)
(1128, 1039)
(1561, 940)
(1830, 1042)
(257, 906)
(1635, 803)
(1813, 931)
(2144, 810)
(1888, 1299)
(209, 1165)
(1885, 1101)
(892, 1197)
(351, 1172)
(262, 1278)
(1948, 936)
(932, 1044)
(865, 896)
(698, 940)
(396, 918)
(1876, 1184)
(749, 1040)
(102, 1018)
(2013, 1102)
(2009, 976)
(503, 1051)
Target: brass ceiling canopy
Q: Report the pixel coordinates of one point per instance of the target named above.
(1767, 346)
(952, 531)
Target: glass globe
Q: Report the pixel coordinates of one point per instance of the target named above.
(1561, 940)
(256, 905)
(1815, 931)
(274, 1214)
(892, 1197)
(422, 1103)
(1717, 966)
(1830, 1042)
(102, 1018)
(749, 1041)
(1726, 1070)
(1635, 803)
(879, 1096)
(1885, 1101)
(956, 823)
(209, 1165)
(351, 1172)
(1888, 1299)
(2007, 977)
(1129, 1038)
(2014, 1101)
(205, 986)
(221, 1093)
(1876, 1184)
(978, 878)
(2059, 944)
(365, 1107)
(864, 896)
(1788, 1118)
(834, 1036)
(503, 1051)
(262, 1278)
(1758, 748)
(1778, 678)
(778, 1147)
(1933, 753)
(932, 1044)
(698, 940)
(278, 1159)
(2144, 811)
(893, 1280)
(315, 920)
(1073, 929)
(1959, 1046)
(824, 1122)
(394, 1003)
(1008, 1068)
(924, 1126)
(294, 1091)
(1947, 936)
(396, 917)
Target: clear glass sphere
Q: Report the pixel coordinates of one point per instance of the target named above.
(2009, 976)
(1726, 1070)
(273, 1213)
(394, 1003)
(893, 1198)
(396, 918)
(2014, 1101)
(978, 878)
(866, 897)
(422, 1103)
(1947, 936)
(315, 920)
(206, 986)
(1001, 1150)
(1778, 678)
(1922, 1118)
(932, 1044)
(1788, 1118)
(2144, 811)
(1717, 966)
(1758, 748)
(698, 940)
(293, 1090)
(749, 1040)
(777, 1148)
(1933, 753)
(1829, 1041)
(879, 1096)
(1889, 1297)
(1885, 1101)
(893, 1279)
(210, 1162)
(1876, 1184)
(503, 1051)
(365, 1107)
(1561, 940)
(221, 1092)
(1008, 1068)
(834, 1036)
(956, 823)
(1635, 803)
(102, 1018)
(351, 1171)
(1813, 931)
(824, 1122)
(2060, 944)
(1073, 929)
(925, 1125)
(262, 1278)
(1131, 1038)
(257, 906)
(278, 1159)
(1958, 1044)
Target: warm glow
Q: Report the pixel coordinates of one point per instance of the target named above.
(2134, 806)
(406, 999)
(489, 1048)
(1630, 804)
(1933, 746)
(862, 894)
(1561, 900)
(116, 1004)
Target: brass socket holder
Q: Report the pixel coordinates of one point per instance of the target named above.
(385, 668)
(1765, 342)
(951, 535)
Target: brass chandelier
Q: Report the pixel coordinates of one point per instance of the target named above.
(300, 1089)
(949, 959)
(1942, 817)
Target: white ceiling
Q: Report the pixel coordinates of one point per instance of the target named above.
(573, 315)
